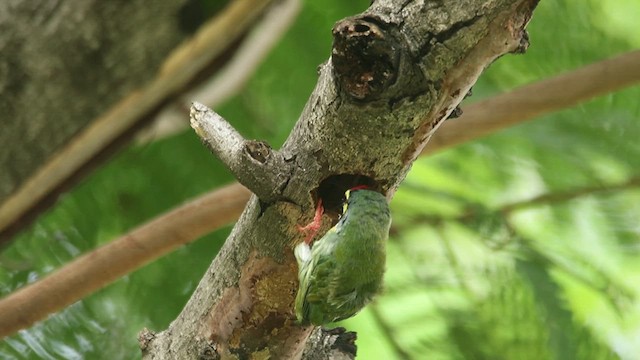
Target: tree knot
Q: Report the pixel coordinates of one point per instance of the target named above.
(364, 56)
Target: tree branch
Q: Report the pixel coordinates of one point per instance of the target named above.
(396, 72)
(108, 263)
(551, 198)
(255, 301)
(153, 255)
(258, 167)
(227, 82)
(557, 197)
(67, 163)
(442, 139)
(539, 98)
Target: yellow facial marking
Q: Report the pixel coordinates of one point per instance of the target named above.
(344, 207)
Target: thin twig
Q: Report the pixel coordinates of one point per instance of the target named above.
(552, 198)
(608, 286)
(544, 199)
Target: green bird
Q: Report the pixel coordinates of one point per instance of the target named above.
(343, 271)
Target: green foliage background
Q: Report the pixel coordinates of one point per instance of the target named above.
(475, 269)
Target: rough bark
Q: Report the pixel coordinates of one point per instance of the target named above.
(62, 63)
(396, 72)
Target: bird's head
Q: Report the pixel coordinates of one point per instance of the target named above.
(348, 193)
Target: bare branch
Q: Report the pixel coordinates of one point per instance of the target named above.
(106, 264)
(221, 138)
(258, 167)
(543, 97)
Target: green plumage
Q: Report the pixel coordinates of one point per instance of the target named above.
(343, 270)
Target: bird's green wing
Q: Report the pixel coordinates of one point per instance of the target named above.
(315, 274)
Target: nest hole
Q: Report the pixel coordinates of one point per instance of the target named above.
(332, 189)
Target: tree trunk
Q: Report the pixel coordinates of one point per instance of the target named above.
(396, 72)
(79, 78)
(63, 63)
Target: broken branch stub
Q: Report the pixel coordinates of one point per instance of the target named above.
(254, 163)
(365, 60)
